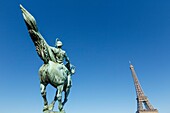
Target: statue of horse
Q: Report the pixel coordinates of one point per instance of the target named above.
(50, 72)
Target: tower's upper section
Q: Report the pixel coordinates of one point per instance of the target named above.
(139, 91)
(131, 66)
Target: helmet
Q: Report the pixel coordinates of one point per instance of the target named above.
(58, 42)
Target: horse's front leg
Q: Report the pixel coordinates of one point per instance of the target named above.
(43, 93)
(66, 93)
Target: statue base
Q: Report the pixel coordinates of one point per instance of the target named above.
(54, 111)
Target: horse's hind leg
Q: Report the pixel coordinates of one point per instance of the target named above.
(43, 93)
(51, 106)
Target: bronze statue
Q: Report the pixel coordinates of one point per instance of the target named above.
(53, 71)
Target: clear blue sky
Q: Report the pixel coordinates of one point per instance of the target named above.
(100, 37)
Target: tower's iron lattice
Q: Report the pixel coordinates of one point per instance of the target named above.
(143, 104)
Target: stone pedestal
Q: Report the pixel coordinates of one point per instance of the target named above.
(55, 111)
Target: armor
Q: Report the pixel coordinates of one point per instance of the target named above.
(60, 56)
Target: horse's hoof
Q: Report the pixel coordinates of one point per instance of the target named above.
(45, 108)
(62, 111)
(51, 107)
(60, 107)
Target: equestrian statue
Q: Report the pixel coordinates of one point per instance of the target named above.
(53, 71)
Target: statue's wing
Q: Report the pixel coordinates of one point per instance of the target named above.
(42, 48)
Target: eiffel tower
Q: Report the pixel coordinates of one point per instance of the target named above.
(143, 104)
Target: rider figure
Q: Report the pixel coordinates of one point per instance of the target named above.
(60, 56)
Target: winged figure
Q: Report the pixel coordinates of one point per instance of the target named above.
(53, 71)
